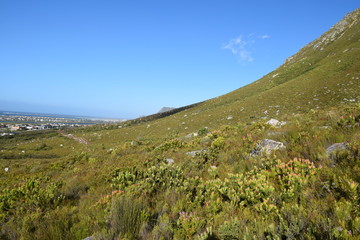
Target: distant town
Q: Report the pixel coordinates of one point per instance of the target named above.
(14, 122)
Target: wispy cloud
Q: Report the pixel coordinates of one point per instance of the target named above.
(238, 46)
(241, 46)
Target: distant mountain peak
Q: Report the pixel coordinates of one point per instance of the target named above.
(165, 109)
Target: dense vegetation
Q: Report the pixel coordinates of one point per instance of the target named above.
(200, 173)
(133, 190)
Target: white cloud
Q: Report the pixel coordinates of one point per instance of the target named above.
(241, 46)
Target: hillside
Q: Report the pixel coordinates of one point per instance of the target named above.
(325, 73)
(218, 169)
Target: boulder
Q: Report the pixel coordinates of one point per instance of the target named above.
(196, 152)
(169, 161)
(190, 135)
(275, 123)
(333, 149)
(89, 238)
(266, 146)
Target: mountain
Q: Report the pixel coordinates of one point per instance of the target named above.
(165, 109)
(324, 73)
(276, 159)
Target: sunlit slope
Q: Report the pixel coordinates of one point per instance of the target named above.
(323, 74)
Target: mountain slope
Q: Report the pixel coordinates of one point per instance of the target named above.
(323, 74)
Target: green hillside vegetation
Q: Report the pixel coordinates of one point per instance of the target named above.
(198, 172)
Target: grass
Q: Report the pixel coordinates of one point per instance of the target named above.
(196, 193)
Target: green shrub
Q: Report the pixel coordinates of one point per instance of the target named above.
(33, 195)
(218, 143)
(230, 230)
(189, 224)
(123, 180)
(203, 131)
(163, 229)
(126, 217)
(173, 145)
(161, 177)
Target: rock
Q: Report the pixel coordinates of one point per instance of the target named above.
(190, 135)
(266, 146)
(196, 152)
(275, 123)
(333, 149)
(169, 161)
(89, 238)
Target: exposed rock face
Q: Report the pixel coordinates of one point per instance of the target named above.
(266, 146)
(334, 33)
(338, 29)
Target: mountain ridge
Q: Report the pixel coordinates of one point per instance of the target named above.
(165, 109)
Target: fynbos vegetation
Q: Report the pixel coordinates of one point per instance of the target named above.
(188, 175)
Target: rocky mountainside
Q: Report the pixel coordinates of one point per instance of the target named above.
(276, 159)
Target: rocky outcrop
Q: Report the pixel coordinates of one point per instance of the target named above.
(275, 123)
(266, 146)
(190, 135)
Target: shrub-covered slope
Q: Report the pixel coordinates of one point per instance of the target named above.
(214, 170)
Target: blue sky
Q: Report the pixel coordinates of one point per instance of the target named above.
(125, 59)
